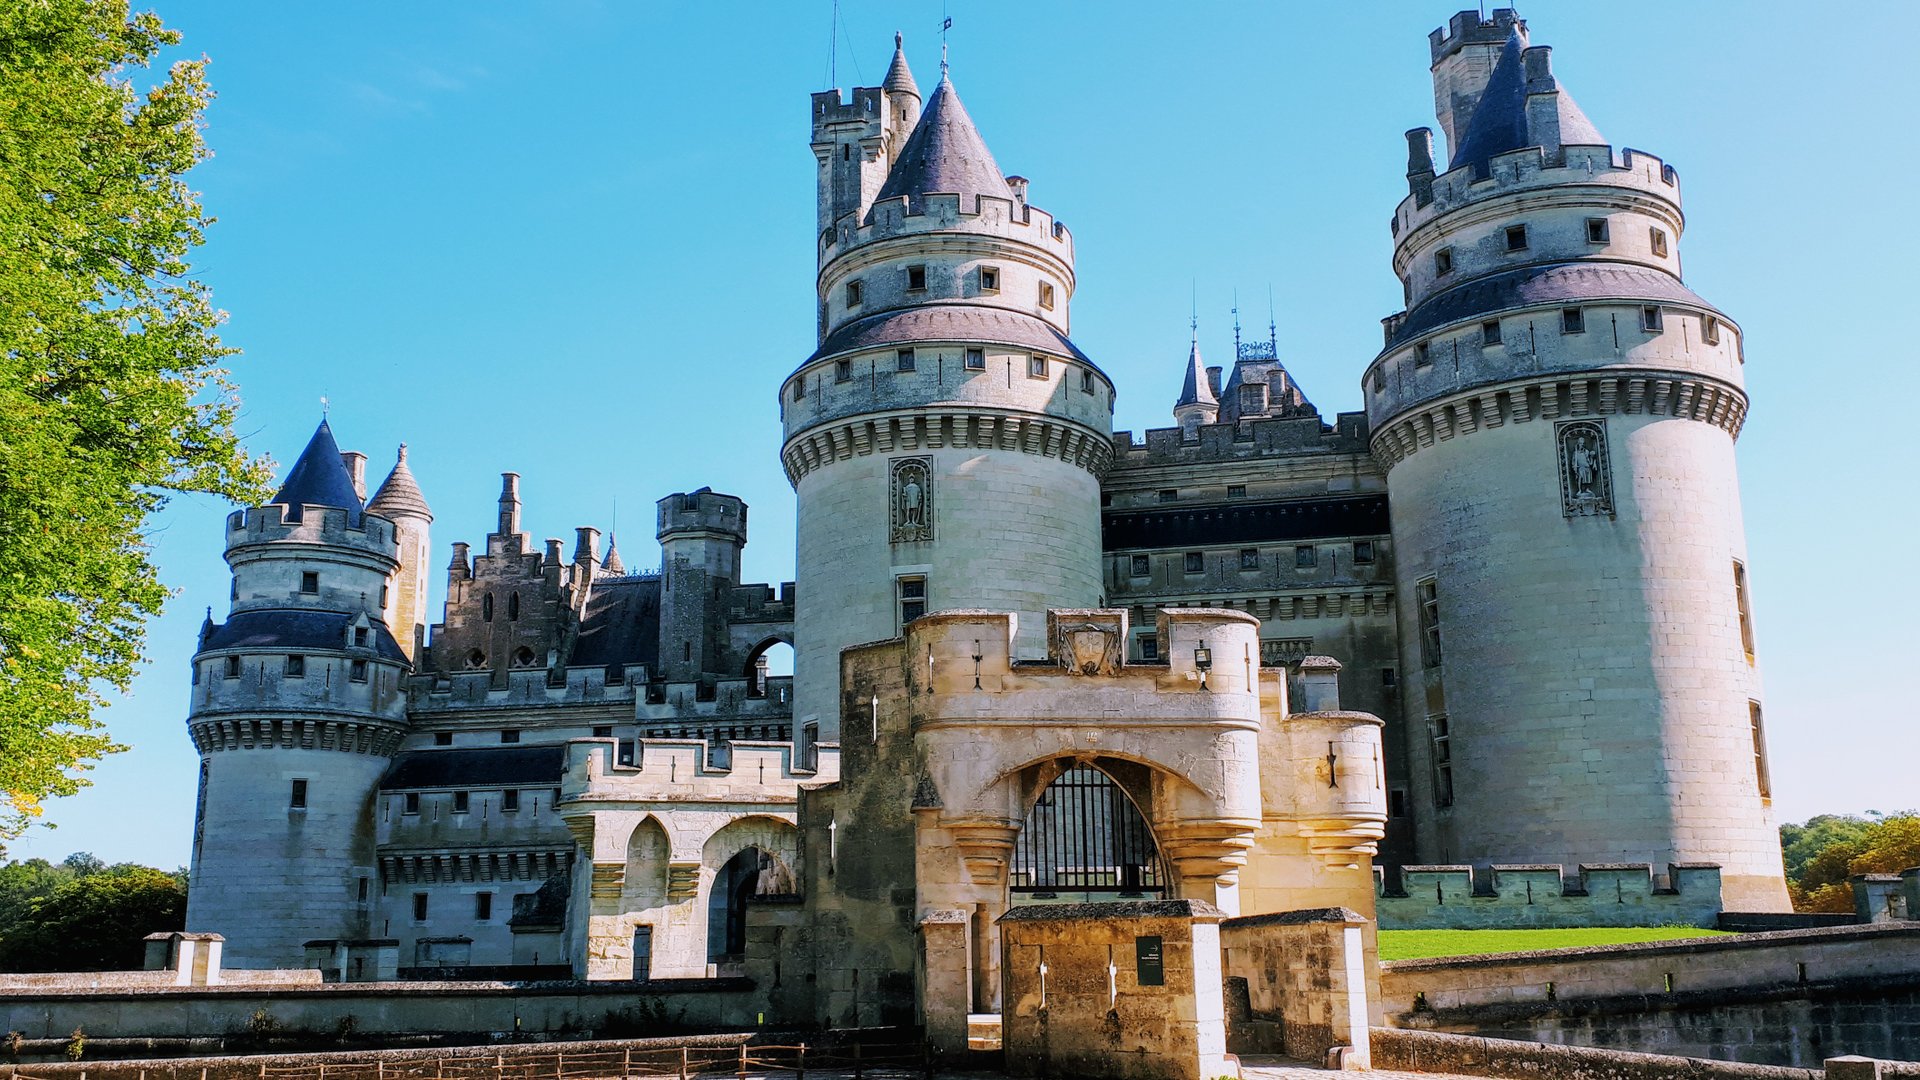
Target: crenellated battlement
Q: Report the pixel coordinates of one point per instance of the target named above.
(685, 770)
(1004, 218)
(1265, 437)
(1531, 170)
(1545, 895)
(318, 525)
(831, 110)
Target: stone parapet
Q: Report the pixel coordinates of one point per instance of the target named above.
(1541, 896)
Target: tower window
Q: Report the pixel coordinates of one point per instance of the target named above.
(1236, 491)
(1305, 557)
(1422, 355)
(1650, 320)
(1516, 238)
(603, 731)
(510, 735)
(854, 291)
(1441, 732)
(1167, 495)
(297, 799)
(1141, 566)
(510, 801)
(410, 803)
(1196, 562)
(1760, 773)
(486, 608)
(916, 279)
(989, 279)
(513, 605)
(296, 667)
(482, 906)
(1388, 679)
(309, 581)
(1573, 321)
(357, 670)
(1443, 262)
(1490, 332)
(912, 598)
(903, 360)
(1046, 295)
(1658, 238)
(1397, 803)
(1596, 230)
(383, 596)
(1362, 552)
(230, 667)
(1036, 367)
(462, 802)
(1709, 330)
(800, 389)
(1746, 617)
(1427, 594)
(1379, 379)
(419, 907)
(842, 370)
(976, 360)
(1249, 558)
(1086, 382)
(443, 738)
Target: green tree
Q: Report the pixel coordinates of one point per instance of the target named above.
(95, 923)
(111, 394)
(1881, 844)
(1800, 843)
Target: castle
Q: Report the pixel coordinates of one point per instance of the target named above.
(1497, 617)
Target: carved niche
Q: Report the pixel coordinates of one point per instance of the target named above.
(1586, 472)
(910, 499)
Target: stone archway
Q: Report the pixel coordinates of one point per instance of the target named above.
(748, 857)
(1084, 840)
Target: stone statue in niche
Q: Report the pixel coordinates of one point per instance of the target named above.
(910, 499)
(1586, 474)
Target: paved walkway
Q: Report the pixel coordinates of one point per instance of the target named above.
(1266, 1068)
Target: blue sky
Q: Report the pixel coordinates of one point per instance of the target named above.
(574, 240)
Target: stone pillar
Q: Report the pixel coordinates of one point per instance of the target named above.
(1306, 976)
(947, 990)
(1879, 898)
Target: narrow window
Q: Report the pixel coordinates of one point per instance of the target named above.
(853, 294)
(419, 907)
(231, 667)
(1573, 321)
(1516, 238)
(462, 802)
(1141, 566)
(1427, 593)
(800, 389)
(1443, 262)
(296, 667)
(976, 360)
(1388, 679)
(989, 279)
(916, 279)
(363, 890)
(298, 799)
(1746, 615)
(1397, 803)
(1149, 647)
(686, 651)
(1236, 491)
(1490, 332)
(842, 371)
(233, 590)
(1650, 320)
(1249, 558)
(513, 606)
(1760, 773)
(361, 635)
(1658, 238)
(510, 735)
(1196, 562)
(1709, 329)
(410, 803)
(482, 906)
(357, 671)
(903, 360)
(443, 738)
(1167, 495)
(1422, 355)
(510, 801)
(1362, 552)
(1442, 734)
(1046, 295)
(1379, 380)
(1036, 367)
(912, 595)
(383, 596)
(486, 608)
(1086, 382)
(309, 581)
(1596, 230)
(603, 731)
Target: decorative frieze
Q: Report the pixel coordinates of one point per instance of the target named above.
(1042, 436)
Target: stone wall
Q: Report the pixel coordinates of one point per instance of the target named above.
(1542, 896)
(1305, 978)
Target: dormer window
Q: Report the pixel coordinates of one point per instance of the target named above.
(989, 279)
(916, 279)
(309, 581)
(360, 637)
(1516, 238)
(1596, 230)
(1658, 238)
(853, 294)
(1443, 262)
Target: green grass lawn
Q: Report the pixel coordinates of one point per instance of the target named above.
(1420, 944)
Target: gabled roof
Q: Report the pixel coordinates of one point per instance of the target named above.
(319, 478)
(899, 79)
(945, 155)
(1196, 390)
(1499, 121)
(399, 494)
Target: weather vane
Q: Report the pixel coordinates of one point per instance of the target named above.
(324, 405)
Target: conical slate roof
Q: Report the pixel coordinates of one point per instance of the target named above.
(1196, 390)
(899, 79)
(319, 478)
(612, 564)
(399, 494)
(1499, 121)
(945, 155)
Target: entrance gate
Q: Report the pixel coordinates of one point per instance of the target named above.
(1085, 840)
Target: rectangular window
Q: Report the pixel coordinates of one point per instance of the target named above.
(296, 667)
(443, 738)
(230, 667)
(357, 670)
(419, 907)
(1388, 679)
(410, 803)
(1746, 614)
(1167, 495)
(361, 635)
(1253, 399)
(1149, 647)
(1650, 319)
(1141, 567)
(1443, 262)
(1573, 321)
(1441, 733)
(989, 279)
(1195, 562)
(309, 581)
(854, 291)
(1236, 491)
(903, 360)
(1658, 238)
(916, 279)
(1422, 355)
(1036, 367)
(1249, 558)
(1490, 332)
(1427, 595)
(363, 890)
(462, 801)
(603, 731)
(1362, 551)
(800, 389)
(510, 801)
(482, 906)
(1046, 295)
(1397, 803)
(1709, 329)
(842, 371)
(510, 735)
(912, 594)
(1596, 230)
(1760, 773)
(1086, 382)
(298, 799)
(976, 360)
(1305, 556)
(383, 596)
(1516, 238)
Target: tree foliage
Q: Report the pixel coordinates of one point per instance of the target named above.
(83, 915)
(111, 394)
(1827, 850)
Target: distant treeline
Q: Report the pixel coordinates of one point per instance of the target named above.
(80, 914)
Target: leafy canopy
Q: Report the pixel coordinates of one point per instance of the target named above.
(83, 915)
(111, 396)
(1827, 850)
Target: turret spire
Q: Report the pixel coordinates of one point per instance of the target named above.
(945, 155)
(319, 478)
(1502, 119)
(899, 78)
(399, 493)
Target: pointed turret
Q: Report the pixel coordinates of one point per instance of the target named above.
(1197, 405)
(611, 565)
(899, 78)
(945, 155)
(319, 478)
(399, 494)
(399, 500)
(902, 98)
(1522, 106)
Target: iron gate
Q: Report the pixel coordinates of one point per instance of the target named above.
(1084, 840)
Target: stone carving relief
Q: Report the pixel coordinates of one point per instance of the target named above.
(910, 499)
(1586, 473)
(1278, 652)
(1089, 647)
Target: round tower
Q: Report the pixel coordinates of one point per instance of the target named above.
(946, 439)
(297, 710)
(404, 608)
(1557, 412)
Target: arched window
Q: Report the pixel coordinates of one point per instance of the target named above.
(486, 608)
(1085, 840)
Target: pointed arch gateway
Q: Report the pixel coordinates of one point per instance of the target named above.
(1085, 839)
